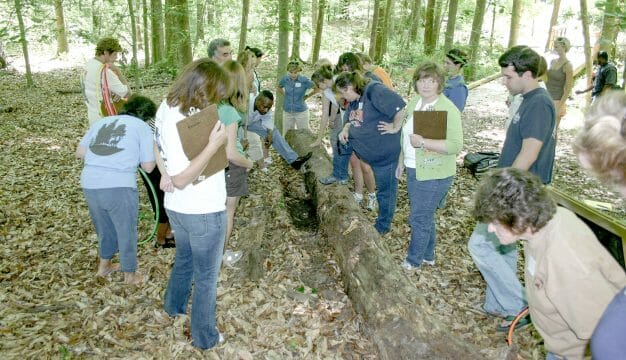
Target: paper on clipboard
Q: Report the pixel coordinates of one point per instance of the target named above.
(430, 124)
(194, 132)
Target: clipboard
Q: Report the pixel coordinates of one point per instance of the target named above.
(194, 132)
(431, 124)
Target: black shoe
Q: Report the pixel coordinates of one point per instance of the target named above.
(297, 164)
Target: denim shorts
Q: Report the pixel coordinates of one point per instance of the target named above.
(236, 180)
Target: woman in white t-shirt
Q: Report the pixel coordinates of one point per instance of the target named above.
(196, 211)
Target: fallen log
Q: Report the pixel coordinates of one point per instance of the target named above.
(400, 322)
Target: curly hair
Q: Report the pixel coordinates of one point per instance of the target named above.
(351, 60)
(355, 79)
(109, 45)
(429, 70)
(601, 145)
(514, 198)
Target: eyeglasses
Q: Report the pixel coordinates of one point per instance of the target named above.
(427, 81)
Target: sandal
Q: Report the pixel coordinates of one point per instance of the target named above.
(506, 324)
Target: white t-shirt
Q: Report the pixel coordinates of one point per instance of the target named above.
(91, 88)
(208, 196)
(407, 130)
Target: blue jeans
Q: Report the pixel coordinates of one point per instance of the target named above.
(341, 161)
(278, 142)
(114, 214)
(425, 197)
(498, 264)
(386, 194)
(199, 247)
(551, 356)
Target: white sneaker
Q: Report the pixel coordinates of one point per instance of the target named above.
(429, 262)
(358, 198)
(265, 170)
(221, 340)
(410, 268)
(268, 160)
(371, 201)
(231, 257)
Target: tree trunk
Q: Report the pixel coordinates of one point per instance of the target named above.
(138, 24)
(477, 25)
(96, 19)
(177, 41)
(156, 20)
(584, 16)
(146, 33)
(439, 14)
(555, 15)
(415, 20)
(429, 28)
(319, 30)
(297, 16)
(133, 33)
(20, 22)
(380, 33)
(62, 46)
(516, 14)
(210, 13)
(493, 25)
(396, 314)
(374, 29)
(453, 7)
(283, 58)
(345, 9)
(243, 32)
(200, 10)
(314, 12)
(387, 28)
(3, 56)
(610, 27)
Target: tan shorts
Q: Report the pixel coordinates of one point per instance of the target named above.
(236, 180)
(295, 120)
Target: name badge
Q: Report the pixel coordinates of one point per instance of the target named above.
(531, 266)
(298, 85)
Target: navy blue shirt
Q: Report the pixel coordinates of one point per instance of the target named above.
(378, 103)
(294, 92)
(535, 119)
(456, 90)
(607, 75)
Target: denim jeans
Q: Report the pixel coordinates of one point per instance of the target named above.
(551, 356)
(341, 159)
(114, 214)
(498, 264)
(199, 247)
(278, 142)
(425, 197)
(386, 194)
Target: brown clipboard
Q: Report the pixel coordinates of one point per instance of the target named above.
(431, 124)
(194, 132)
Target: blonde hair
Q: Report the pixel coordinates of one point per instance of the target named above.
(601, 145)
(563, 41)
(238, 94)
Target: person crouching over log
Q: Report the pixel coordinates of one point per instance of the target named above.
(570, 277)
(111, 149)
(601, 148)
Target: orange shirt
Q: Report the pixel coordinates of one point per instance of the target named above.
(383, 76)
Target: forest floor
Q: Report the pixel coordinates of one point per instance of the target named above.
(53, 305)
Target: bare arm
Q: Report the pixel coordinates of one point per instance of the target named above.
(232, 153)
(166, 181)
(80, 152)
(326, 105)
(393, 127)
(148, 166)
(418, 141)
(528, 154)
(569, 82)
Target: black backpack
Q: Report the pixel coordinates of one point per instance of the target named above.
(480, 162)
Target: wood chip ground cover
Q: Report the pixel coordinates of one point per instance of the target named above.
(54, 307)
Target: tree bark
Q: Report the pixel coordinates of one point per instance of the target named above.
(374, 29)
(380, 33)
(200, 10)
(516, 14)
(453, 7)
(429, 28)
(177, 41)
(62, 46)
(20, 22)
(584, 16)
(477, 25)
(283, 58)
(415, 20)
(314, 12)
(439, 14)
(555, 15)
(319, 31)
(610, 27)
(295, 42)
(133, 33)
(243, 32)
(396, 314)
(146, 33)
(96, 19)
(156, 19)
(387, 28)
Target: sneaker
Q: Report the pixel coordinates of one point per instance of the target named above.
(331, 180)
(410, 268)
(371, 201)
(231, 257)
(221, 339)
(265, 170)
(358, 198)
(297, 164)
(429, 262)
(268, 160)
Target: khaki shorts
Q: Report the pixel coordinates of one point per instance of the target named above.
(236, 180)
(295, 120)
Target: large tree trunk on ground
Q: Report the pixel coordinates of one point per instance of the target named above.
(397, 316)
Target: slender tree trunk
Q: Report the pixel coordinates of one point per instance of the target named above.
(200, 10)
(146, 33)
(610, 27)
(555, 15)
(3, 56)
(156, 19)
(133, 33)
(439, 14)
(297, 16)
(387, 28)
(429, 28)
(138, 24)
(477, 25)
(345, 9)
(374, 29)
(319, 30)
(516, 14)
(62, 46)
(210, 13)
(493, 25)
(314, 12)
(96, 19)
(283, 57)
(20, 22)
(584, 16)
(415, 20)
(380, 33)
(243, 32)
(177, 39)
(453, 7)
